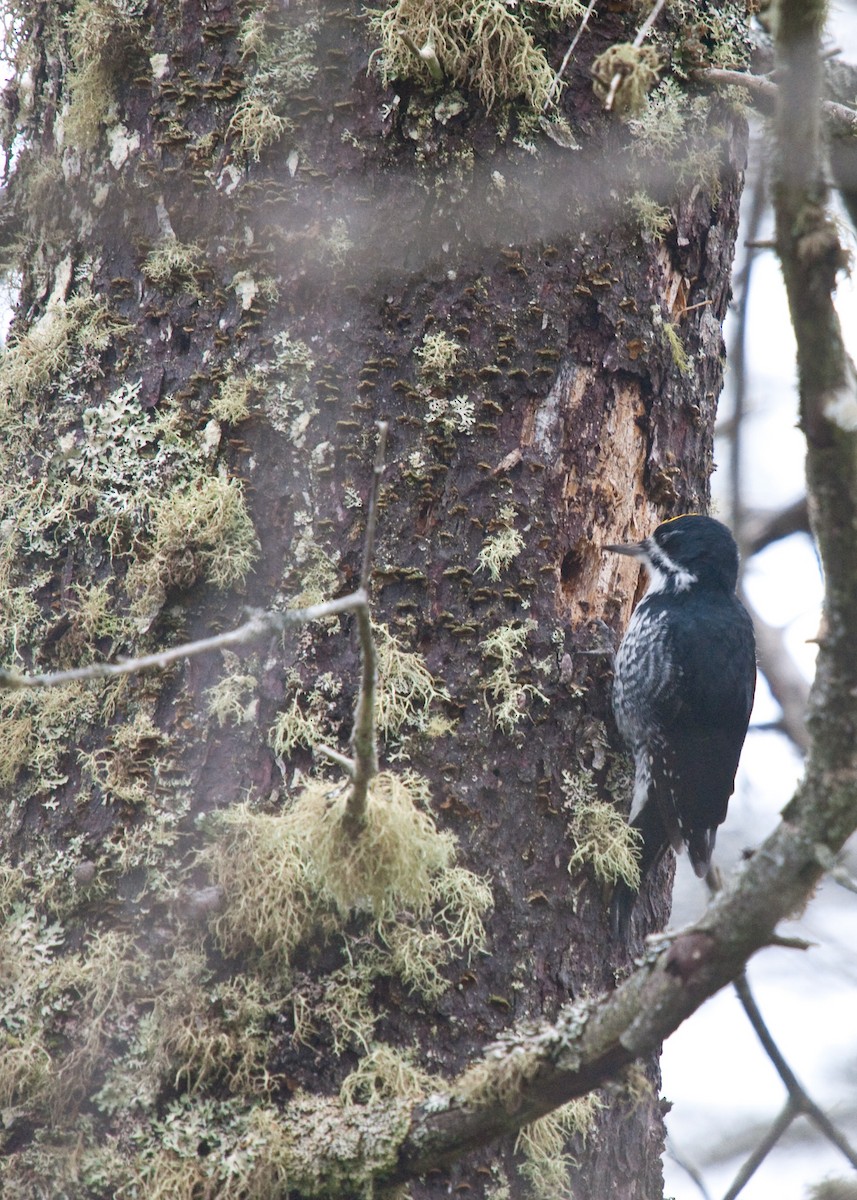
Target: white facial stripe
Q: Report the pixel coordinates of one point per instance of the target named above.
(661, 568)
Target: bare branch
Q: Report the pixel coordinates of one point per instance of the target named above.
(688, 1167)
(841, 120)
(799, 1099)
(761, 529)
(761, 1152)
(567, 56)
(261, 624)
(341, 760)
(363, 739)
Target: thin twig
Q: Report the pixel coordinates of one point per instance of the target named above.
(840, 875)
(567, 56)
(363, 740)
(798, 1097)
(688, 1167)
(761, 1152)
(637, 42)
(372, 514)
(840, 119)
(260, 625)
(341, 760)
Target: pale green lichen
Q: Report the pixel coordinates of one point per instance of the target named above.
(53, 348)
(102, 34)
(455, 415)
(406, 688)
(502, 546)
(406, 693)
(543, 1146)
(678, 126)
(438, 355)
(175, 266)
(232, 700)
(285, 876)
(603, 838)
(625, 74)
(279, 60)
(488, 45)
(284, 384)
(202, 531)
(231, 401)
(653, 219)
(386, 1072)
(508, 696)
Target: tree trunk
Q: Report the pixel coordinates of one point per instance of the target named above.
(240, 241)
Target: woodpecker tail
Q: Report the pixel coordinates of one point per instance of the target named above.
(655, 844)
(621, 907)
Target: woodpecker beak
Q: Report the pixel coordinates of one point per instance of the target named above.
(634, 550)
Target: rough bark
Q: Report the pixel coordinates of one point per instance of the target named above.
(589, 355)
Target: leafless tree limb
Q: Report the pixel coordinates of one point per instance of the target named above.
(363, 739)
(738, 352)
(762, 529)
(761, 1151)
(689, 1168)
(261, 624)
(532, 1070)
(800, 1100)
(841, 119)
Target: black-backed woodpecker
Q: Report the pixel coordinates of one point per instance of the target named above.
(683, 689)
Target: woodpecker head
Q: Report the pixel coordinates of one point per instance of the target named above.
(687, 552)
